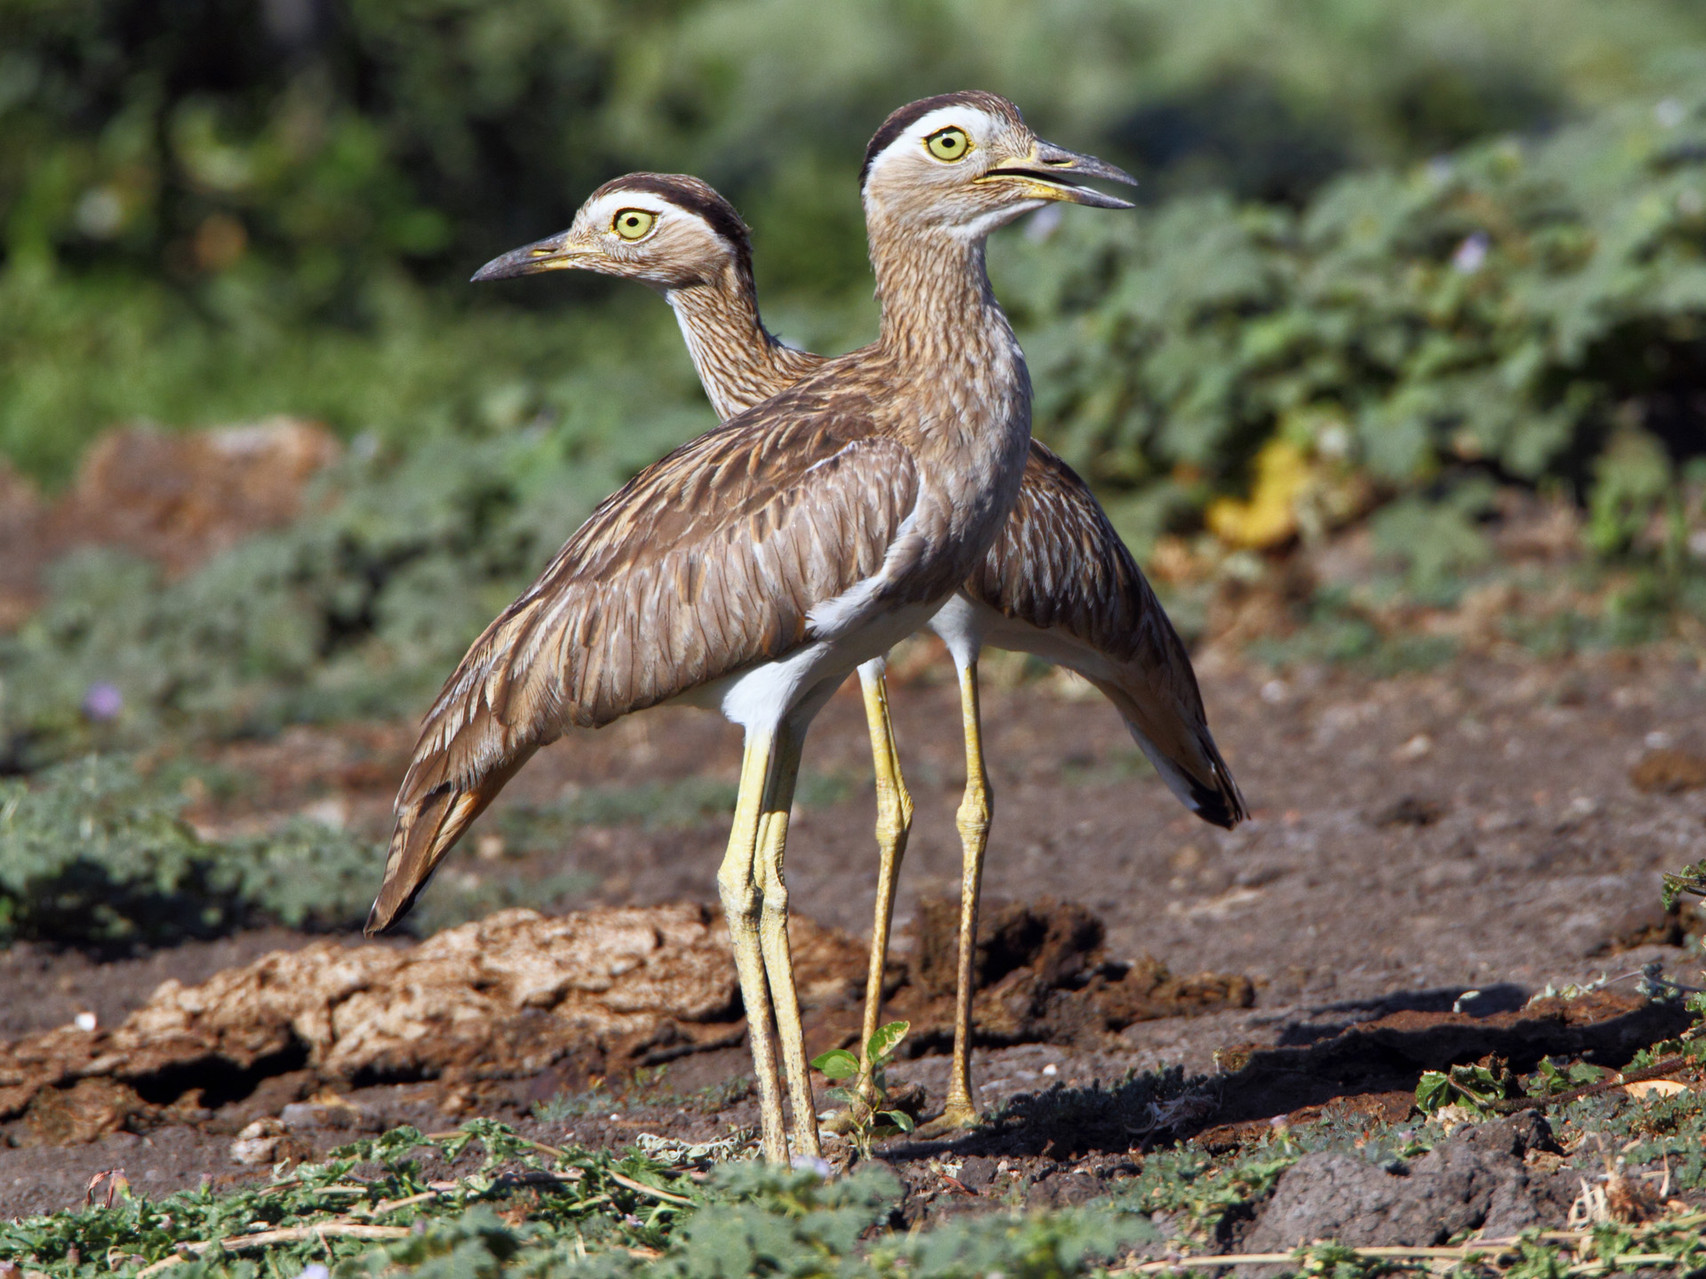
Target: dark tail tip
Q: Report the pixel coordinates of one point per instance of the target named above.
(1221, 805)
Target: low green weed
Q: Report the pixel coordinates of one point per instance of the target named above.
(91, 852)
(544, 1212)
(1475, 1088)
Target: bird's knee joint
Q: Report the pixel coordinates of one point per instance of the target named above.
(975, 813)
(894, 815)
(739, 894)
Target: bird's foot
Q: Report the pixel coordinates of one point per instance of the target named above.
(952, 1122)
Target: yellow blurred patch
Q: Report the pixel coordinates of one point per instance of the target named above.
(1269, 517)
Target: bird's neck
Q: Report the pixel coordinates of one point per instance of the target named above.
(935, 296)
(739, 363)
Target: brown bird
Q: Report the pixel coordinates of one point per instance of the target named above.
(754, 568)
(1057, 582)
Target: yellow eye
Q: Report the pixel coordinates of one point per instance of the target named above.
(948, 144)
(633, 224)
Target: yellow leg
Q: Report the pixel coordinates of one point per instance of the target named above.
(894, 823)
(742, 906)
(973, 822)
(773, 938)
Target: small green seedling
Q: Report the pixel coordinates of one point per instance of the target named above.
(866, 1098)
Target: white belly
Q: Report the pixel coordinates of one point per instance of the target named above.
(796, 686)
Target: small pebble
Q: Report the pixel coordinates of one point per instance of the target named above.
(84, 1021)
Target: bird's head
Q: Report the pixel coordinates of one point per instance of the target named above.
(967, 163)
(667, 230)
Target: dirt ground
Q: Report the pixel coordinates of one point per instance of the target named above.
(1491, 826)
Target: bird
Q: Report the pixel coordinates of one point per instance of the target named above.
(1057, 582)
(752, 569)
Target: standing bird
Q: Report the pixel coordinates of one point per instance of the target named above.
(1057, 582)
(752, 569)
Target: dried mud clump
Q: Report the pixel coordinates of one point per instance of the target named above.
(506, 997)
(176, 498)
(1668, 772)
(520, 995)
(1043, 976)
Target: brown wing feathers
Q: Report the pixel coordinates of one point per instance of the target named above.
(709, 562)
(1059, 563)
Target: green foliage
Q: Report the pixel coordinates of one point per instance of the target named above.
(1689, 881)
(220, 211)
(866, 1099)
(1551, 1077)
(94, 853)
(1203, 1194)
(1506, 308)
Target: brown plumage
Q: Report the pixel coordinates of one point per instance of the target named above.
(1062, 582)
(755, 567)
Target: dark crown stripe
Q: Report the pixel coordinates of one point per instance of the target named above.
(693, 196)
(913, 112)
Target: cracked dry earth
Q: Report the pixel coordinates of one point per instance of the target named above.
(1493, 825)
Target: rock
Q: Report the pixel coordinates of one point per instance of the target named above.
(258, 1143)
(1476, 1180)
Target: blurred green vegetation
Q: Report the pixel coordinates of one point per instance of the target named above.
(221, 210)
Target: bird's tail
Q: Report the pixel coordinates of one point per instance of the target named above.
(1171, 729)
(429, 822)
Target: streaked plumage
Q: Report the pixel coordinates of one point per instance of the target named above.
(1057, 582)
(755, 567)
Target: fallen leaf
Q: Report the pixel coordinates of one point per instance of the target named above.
(1649, 1088)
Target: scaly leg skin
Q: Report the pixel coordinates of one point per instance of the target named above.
(973, 821)
(742, 906)
(894, 823)
(773, 938)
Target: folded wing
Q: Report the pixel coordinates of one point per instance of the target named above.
(707, 563)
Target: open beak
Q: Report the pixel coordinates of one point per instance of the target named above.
(1048, 173)
(553, 253)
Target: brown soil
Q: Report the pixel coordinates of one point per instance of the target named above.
(1485, 827)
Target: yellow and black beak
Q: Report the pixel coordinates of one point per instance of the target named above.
(553, 253)
(1049, 173)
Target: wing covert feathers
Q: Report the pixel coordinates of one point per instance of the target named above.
(1059, 564)
(708, 562)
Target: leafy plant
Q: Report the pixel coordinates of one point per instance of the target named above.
(1475, 1088)
(1519, 308)
(866, 1099)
